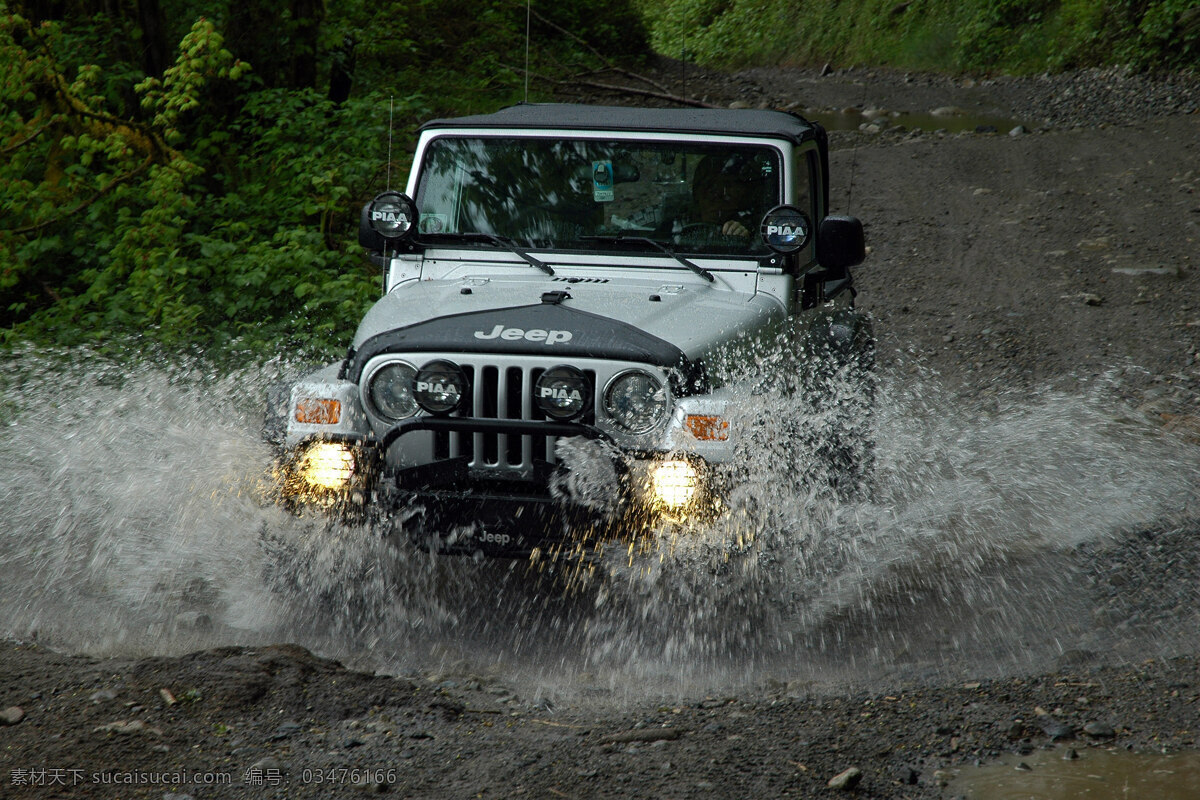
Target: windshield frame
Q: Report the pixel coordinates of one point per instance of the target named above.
(780, 151)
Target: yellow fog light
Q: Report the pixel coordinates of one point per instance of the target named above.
(673, 484)
(327, 465)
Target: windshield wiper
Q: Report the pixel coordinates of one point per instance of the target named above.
(620, 237)
(505, 242)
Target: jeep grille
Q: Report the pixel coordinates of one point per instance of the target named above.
(501, 387)
(503, 392)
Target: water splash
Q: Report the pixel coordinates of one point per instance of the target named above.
(136, 522)
(965, 558)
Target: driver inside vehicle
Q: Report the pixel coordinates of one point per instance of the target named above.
(727, 192)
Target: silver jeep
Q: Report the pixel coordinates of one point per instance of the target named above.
(562, 284)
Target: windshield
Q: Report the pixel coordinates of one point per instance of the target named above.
(587, 194)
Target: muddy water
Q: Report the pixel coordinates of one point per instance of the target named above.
(1094, 774)
(136, 521)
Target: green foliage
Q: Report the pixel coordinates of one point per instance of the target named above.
(978, 35)
(216, 202)
(1169, 26)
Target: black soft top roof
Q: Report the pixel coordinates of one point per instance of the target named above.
(724, 121)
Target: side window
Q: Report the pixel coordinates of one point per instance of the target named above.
(806, 173)
(805, 177)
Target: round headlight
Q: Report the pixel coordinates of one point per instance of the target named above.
(389, 390)
(562, 392)
(636, 401)
(440, 386)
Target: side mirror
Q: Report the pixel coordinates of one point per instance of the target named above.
(840, 243)
(387, 219)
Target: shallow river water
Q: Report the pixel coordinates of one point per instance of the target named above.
(1090, 774)
(136, 522)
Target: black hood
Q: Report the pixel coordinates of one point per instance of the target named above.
(547, 329)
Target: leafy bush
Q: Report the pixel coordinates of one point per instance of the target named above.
(978, 35)
(239, 237)
(214, 200)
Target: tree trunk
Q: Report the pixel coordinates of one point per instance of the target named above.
(155, 48)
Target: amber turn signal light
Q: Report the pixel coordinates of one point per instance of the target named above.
(707, 428)
(318, 411)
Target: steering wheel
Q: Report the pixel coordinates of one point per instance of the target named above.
(700, 233)
(696, 230)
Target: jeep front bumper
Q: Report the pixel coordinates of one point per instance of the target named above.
(651, 483)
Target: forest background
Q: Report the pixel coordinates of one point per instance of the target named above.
(190, 173)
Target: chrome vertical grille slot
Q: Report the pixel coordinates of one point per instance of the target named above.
(502, 392)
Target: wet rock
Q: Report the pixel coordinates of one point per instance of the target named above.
(1020, 130)
(285, 731)
(1094, 245)
(1023, 767)
(449, 709)
(846, 779)
(133, 727)
(1056, 729)
(947, 111)
(1099, 730)
(372, 787)
(1070, 754)
(12, 715)
(1174, 271)
(642, 735)
(266, 764)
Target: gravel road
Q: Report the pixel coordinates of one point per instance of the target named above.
(1036, 281)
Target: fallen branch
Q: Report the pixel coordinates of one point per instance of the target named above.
(642, 735)
(103, 191)
(608, 64)
(674, 98)
(36, 133)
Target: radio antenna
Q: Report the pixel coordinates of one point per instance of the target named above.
(528, 13)
(854, 162)
(683, 68)
(391, 112)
